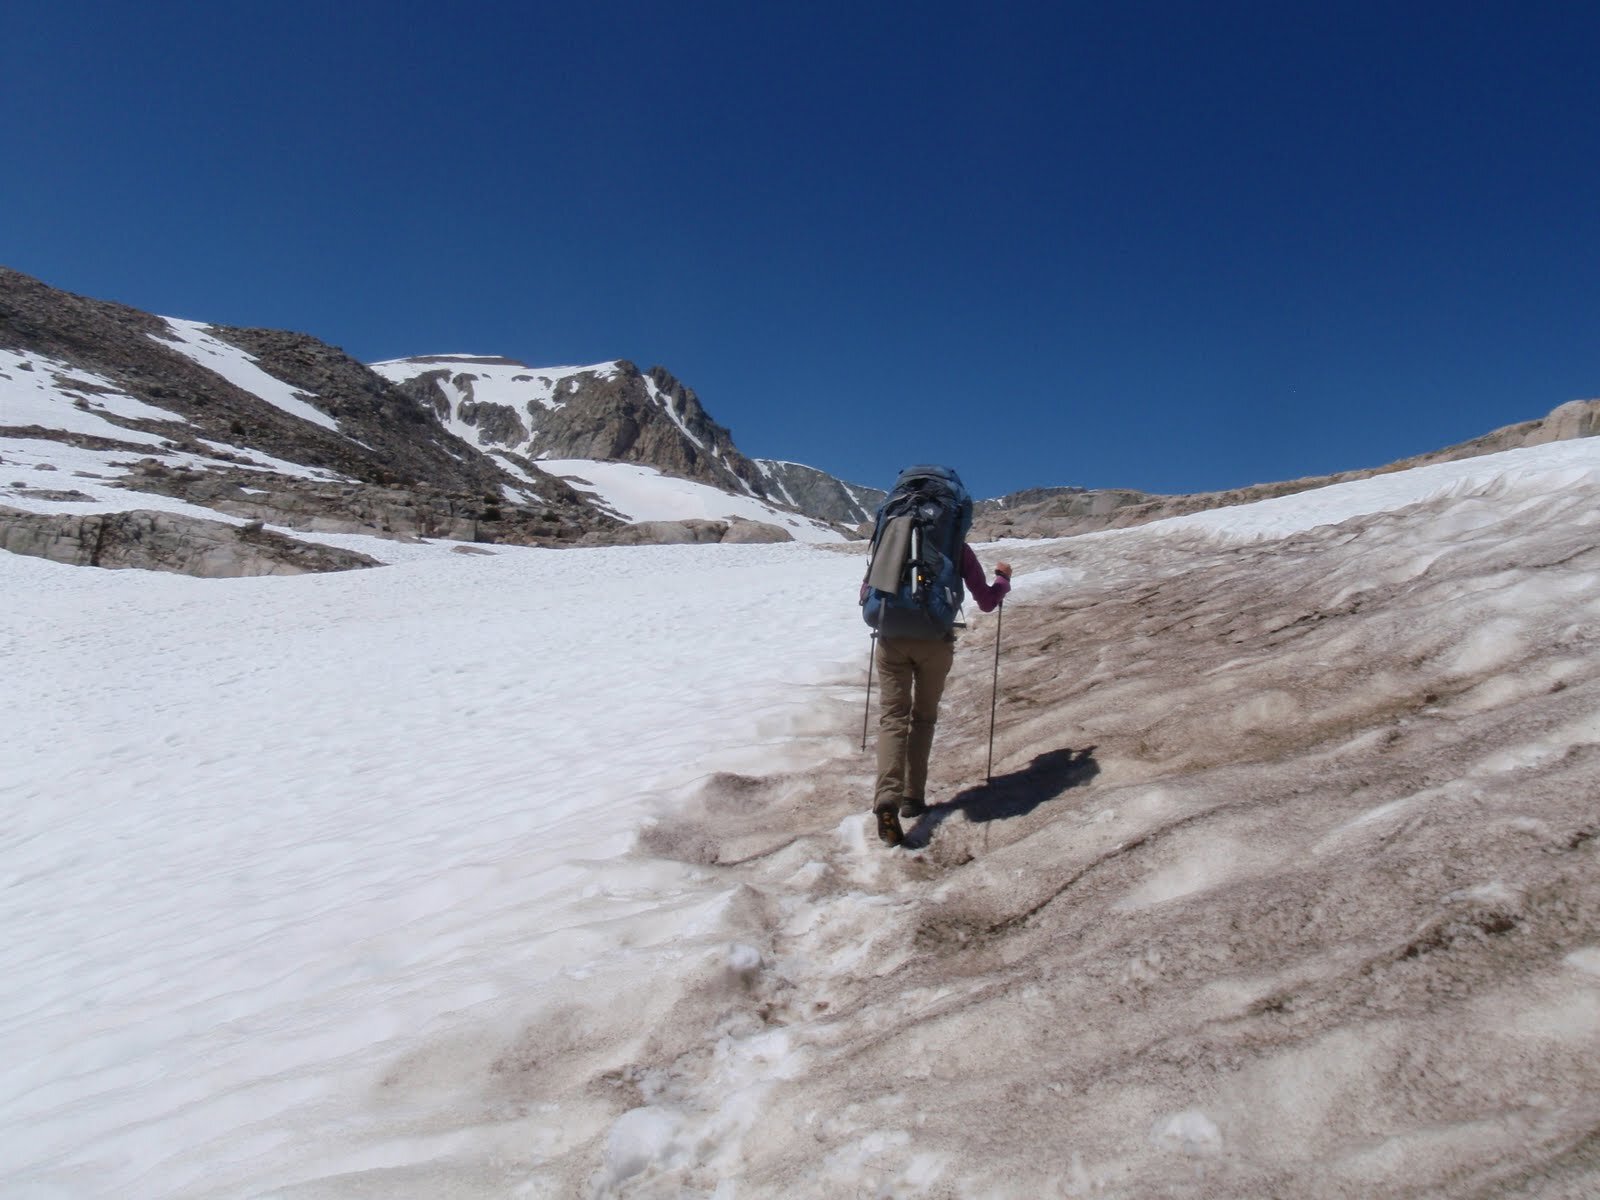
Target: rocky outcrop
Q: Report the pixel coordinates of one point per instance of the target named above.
(1066, 512)
(158, 541)
(690, 533)
(346, 507)
(611, 413)
(818, 494)
(1575, 419)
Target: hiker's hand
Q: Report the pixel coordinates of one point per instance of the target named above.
(1003, 568)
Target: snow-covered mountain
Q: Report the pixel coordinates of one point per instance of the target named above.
(533, 874)
(630, 440)
(609, 412)
(206, 449)
(820, 494)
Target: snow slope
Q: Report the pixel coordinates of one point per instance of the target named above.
(640, 493)
(36, 390)
(193, 341)
(283, 837)
(46, 475)
(545, 874)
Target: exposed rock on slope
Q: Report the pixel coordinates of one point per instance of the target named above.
(341, 506)
(379, 436)
(1063, 512)
(216, 413)
(284, 428)
(159, 541)
(693, 533)
(609, 412)
(818, 494)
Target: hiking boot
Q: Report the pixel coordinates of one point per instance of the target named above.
(889, 831)
(913, 807)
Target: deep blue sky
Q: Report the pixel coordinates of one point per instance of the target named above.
(1169, 246)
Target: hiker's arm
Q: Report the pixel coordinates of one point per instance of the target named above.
(988, 595)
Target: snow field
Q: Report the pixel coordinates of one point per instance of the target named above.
(285, 834)
(640, 493)
(308, 892)
(36, 390)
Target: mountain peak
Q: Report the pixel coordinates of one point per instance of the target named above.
(605, 411)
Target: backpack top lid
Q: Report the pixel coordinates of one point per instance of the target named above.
(942, 483)
(929, 470)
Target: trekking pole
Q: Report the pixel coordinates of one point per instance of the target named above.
(994, 691)
(872, 658)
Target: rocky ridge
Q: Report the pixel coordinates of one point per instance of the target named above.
(820, 494)
(1066, 512)
(281, 429)
(261, 424)
(610, 412)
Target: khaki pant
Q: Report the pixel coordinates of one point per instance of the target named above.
(911, 673)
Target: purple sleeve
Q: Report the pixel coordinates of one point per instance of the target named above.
(986, 594)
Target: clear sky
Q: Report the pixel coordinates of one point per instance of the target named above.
(1173, 246)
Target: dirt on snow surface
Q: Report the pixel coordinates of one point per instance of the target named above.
(1286, 885)
(548, 874)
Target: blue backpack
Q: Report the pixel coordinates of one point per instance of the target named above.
(913, 586)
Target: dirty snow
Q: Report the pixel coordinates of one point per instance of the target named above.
(546, 874)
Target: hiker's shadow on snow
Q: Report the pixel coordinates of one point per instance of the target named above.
(1013, 795)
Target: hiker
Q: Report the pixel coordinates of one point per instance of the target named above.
(911, 597)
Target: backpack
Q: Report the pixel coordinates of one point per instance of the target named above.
(913, 585)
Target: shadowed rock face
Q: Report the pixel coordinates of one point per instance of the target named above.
(158, 541)
(1287, 884)
(818, 494)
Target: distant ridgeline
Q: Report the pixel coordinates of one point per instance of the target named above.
(1064, 512)
(242, 438)
(106, 409)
